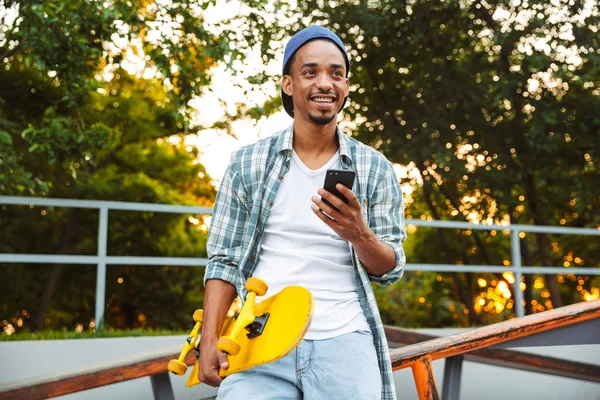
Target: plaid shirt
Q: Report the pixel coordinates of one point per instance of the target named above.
(245, 198)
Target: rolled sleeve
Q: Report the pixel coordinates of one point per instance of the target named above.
(387, 222)
(396, 273)
(219, 270)
(227, 229)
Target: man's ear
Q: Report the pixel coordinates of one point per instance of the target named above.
(286, 85)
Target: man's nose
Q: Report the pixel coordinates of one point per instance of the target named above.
(324, 82)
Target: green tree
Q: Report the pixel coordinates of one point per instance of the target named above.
(94, 105)
(64, 51)
(144, 164)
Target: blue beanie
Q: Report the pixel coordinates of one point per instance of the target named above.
(300, 39)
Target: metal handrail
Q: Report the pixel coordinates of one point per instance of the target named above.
(512, 359)
(102, 374)
(419, 356)
(154, 365)
(102, 259)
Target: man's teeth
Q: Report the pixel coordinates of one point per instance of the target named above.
(323, 99)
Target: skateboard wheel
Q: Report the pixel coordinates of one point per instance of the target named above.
(228, 345)
(198, 315)
(177, 367)
(256, 285)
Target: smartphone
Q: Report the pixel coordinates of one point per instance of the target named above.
(335, 176)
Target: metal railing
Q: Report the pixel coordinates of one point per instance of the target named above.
(501, 357)
(102, 259)
(575, 324)
(572, 324)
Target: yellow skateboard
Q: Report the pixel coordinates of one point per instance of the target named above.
(259, 334)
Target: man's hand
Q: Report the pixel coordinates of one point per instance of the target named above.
(347, 220)
(218, 296)
(378, 258)
(210, 361)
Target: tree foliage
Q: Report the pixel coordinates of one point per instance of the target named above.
(56, 54)
(79, 120)
(494, 104)
(491, 107)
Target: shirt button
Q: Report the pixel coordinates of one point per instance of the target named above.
(271, 204)
(251, 258)
(281, 178)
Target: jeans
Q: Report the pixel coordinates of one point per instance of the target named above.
(343, 367)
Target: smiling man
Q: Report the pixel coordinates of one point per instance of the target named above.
(269, 221)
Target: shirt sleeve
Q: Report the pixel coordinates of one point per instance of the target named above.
(227, 229)
(387, 222)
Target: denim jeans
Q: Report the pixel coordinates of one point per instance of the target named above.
(343, 367)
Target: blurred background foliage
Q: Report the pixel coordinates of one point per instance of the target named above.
(490, 109)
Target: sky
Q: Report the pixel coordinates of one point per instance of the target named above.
(215, 147)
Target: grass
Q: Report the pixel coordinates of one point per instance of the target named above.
(59, 335)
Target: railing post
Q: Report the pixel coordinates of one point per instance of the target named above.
(101, 269)
(425, 380)
(161, 386)
(515, 247)
(452, 377)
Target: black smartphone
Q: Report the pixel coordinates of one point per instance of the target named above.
(335, 176)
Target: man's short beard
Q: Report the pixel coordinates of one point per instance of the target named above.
(322, 120)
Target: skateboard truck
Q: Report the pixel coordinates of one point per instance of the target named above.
(246, 317)
(178, 366)
(257, 327)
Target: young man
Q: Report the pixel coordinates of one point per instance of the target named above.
(269, 222)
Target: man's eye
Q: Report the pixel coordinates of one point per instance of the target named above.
(337, 73)
(309, 72)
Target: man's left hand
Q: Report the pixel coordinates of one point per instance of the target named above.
(347, 220)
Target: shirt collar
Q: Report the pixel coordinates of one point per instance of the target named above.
(345, 145)
(286, 140)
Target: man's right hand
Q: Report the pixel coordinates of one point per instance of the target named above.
(210, 361)
(218, 297)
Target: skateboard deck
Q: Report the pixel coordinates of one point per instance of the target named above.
(277, 325)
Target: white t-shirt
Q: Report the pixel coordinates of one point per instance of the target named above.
(300, 249)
